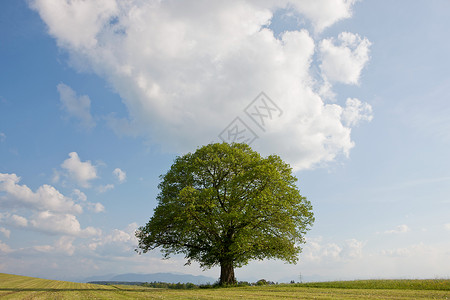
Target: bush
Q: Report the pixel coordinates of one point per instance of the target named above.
(262, 282)
(165, 285)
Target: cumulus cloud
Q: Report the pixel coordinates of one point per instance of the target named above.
(352, 249)
(324, 13)
(105, 188)
(119, 240)
(45, 198)
(67, 224)
(79, 195)
(63, 245)
(317, 250)
(51, 212)
(355, 111)
(80, 172)
(96, 207)
(13, 220)
(63, 20)
(4, 248)
(184, 82)
(344, 62)
(76, 107)
(399, 229)
(6, 232)
(121, 175)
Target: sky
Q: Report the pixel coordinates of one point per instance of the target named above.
(97, 98)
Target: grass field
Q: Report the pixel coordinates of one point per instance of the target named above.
(21, 287)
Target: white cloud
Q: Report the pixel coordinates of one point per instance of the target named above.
(63, 245)
(344, 62)
(119, 240)
(81, 172)
(77, 107)
(4, 248)
(184, 82)
(316, 250)
(355, 111)
(13, 220)
(118, 236)
(6, 232)
(398, 252)
(79, 195)
(67, 224)
(352, 249)
(45, 198)
(324, 13)
(64, 20)
(121, 175)
(105, 188)
(399, 229)
(19, 221)
(414, 250)
(56, 176)
(43, 248)
(423, 260)
(2, 137)
(51, 212)
(447, 226)
(96, 207)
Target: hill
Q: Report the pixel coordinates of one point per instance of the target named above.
(158, 277)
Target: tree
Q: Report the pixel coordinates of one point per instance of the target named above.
(225, 205)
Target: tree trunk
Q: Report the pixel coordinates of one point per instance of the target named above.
(227, 273)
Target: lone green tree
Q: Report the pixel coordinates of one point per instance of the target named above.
(225, 205)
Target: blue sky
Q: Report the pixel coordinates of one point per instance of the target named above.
(97, 98)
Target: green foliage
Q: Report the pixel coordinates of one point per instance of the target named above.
(225, 204)
(176, 286)
(244, 283)
(262, 282)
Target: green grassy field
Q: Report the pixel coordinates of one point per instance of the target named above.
(21, 287)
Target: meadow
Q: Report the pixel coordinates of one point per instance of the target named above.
(21, 287)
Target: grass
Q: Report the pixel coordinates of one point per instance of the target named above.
(21, 287)
(403, 284)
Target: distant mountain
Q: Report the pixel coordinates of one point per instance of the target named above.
(160, 277)
(95, 278)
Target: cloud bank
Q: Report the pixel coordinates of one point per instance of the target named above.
(186, 69)
(47, 209)
(45, 198)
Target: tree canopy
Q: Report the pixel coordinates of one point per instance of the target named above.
(225, 205)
